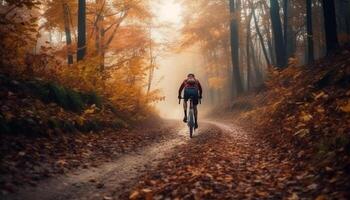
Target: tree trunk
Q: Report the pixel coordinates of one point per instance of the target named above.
(342, 9)
(248, 51)
(330, 26)
(264, 7)
(310, 43)
(235, 48)
(278, 34)
(285, 26)
(97, 28)
(68, 33)
(102, 44)
(258, 75)
(81, 51)
(151, 67)
(261, 39)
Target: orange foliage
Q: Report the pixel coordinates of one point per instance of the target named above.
(117, 60)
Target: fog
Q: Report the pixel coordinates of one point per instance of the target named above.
(172, 67)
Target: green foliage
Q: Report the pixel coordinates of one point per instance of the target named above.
(70, 99)
(92, 98)
(74, 101)
(39, 89)
(57, 94)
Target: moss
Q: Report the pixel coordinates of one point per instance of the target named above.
(92, 98)
(74, 101)
(57, 94)
(39, 89)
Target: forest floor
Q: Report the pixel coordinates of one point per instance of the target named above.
(222, 161)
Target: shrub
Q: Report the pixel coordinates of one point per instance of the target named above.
(92, 98)
(74, 101)
(57, 94)
(39, 89)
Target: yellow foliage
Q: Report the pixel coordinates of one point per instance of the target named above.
(117, 59)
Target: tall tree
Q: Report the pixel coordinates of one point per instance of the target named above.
(278, 34)
(81, 51)
(236, 77)
(248, 40)
(330, 25)
(264, 9)
(342, 8)
(68, 32)
(151, 64)
(310, 39)
(285, 25)
(261, 39)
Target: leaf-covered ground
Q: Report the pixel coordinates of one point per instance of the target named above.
(304, 110)
(27, 161)
(231, 164)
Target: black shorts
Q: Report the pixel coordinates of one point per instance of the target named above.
(191, 92)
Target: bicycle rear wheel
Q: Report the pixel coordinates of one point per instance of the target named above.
(191, 122)
(191, 131)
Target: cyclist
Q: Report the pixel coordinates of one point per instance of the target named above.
(192, 88)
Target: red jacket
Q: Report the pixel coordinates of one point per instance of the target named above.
(186, 84)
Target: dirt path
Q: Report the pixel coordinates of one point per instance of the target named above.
(220, 162)
(99, 182)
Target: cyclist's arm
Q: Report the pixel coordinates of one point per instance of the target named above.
(200, 88)
(181, 88)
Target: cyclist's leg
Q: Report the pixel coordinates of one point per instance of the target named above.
(186, 97)
(195, 115)
(195, 103)
(185, 111)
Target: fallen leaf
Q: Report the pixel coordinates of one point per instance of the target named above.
(346, 108)
(134, 195)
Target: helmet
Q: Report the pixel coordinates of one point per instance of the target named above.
(190, 74)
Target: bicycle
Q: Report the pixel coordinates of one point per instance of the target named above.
(190, 121)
